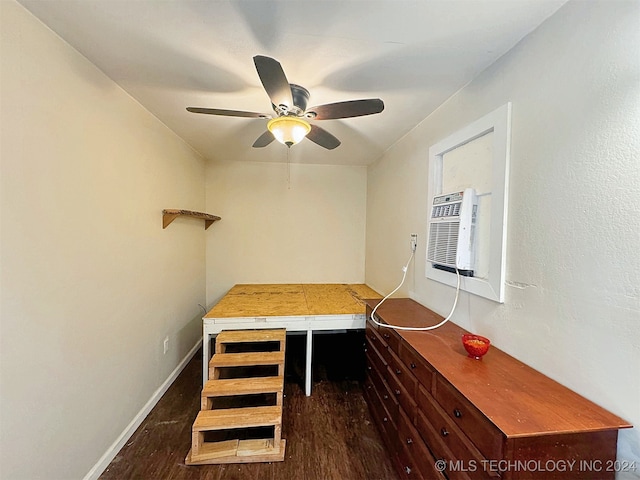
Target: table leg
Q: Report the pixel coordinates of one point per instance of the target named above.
(307, 377)
(206, 343)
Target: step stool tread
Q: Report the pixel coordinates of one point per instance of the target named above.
(229, 418)
(241, 336)
(243, 386)
(246, 359)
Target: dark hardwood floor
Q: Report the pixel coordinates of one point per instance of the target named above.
(329, 434)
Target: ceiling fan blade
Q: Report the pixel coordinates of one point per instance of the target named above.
(263, 140)
(274, 80)
(227, 113)
(351, 108)
(323, 138)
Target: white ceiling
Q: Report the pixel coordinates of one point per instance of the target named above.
(171, 54)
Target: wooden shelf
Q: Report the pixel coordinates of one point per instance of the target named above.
(169, 215)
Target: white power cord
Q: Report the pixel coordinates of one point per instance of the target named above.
(398, 327)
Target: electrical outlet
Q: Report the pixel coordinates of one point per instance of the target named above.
(414, 241)
(166, 344)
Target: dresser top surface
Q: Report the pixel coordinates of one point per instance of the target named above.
(519, 400)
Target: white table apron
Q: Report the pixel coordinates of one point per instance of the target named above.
(309, 324)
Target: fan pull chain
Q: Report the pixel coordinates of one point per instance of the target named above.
(288, 170)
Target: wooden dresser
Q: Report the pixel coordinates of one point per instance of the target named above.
(444, 415)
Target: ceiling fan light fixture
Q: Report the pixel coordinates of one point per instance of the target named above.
(289, 130)
(289, 102)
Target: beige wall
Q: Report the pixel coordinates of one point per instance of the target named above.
(573, 269)
(91, 284)
(306, 226)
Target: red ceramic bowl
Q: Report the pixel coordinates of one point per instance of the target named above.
(475, 345)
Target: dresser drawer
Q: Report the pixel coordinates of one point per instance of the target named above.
(407, 402)
(375, 358)
(406, 465)
(391, 337)
(385, 394)
(418, 367)
(451, 437)
(375, 339)
(411, 441)
(382, 419)
(403, 374)
(439, 450)
(368, 391)
(485, 436)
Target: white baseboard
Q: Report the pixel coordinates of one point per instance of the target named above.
(113, 450)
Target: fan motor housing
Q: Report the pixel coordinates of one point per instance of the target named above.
(300, 99)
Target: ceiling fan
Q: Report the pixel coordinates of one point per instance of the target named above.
(290, 124)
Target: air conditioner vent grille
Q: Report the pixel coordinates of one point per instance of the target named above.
(443, 243)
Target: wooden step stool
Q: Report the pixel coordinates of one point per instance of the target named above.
(210, 418)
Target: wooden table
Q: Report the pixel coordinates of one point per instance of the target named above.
(296, 307)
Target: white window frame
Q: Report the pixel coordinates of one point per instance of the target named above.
(498, 122)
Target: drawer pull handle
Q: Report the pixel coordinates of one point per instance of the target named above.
(385, 335)
(369, 367)
(413, 365)
(407, 470)
(409, 441)
(385, 419)
(444, 432)
(397, 392)
(386, 397)
(398, 371)
(457, 413)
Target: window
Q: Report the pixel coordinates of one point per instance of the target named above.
(477, 156)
